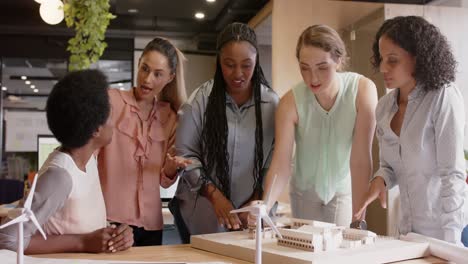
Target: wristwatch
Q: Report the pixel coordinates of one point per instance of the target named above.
(359, 224)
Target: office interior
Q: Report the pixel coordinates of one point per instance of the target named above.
(33, 56)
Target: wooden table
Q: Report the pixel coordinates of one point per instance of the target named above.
(184, 253)
(170, 253)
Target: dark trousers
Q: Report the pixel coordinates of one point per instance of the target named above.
(142, 237)
(464, 237)
(179, 221)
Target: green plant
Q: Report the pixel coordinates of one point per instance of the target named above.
(90, 19)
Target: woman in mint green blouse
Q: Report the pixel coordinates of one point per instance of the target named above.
(330, 117)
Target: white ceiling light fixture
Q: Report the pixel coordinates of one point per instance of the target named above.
(209, 1)
(133, 10)
(199, 15)
(51, 11)
(4, 88)
(36, 90)
(27, 82)
(23, 77)
(33, 86)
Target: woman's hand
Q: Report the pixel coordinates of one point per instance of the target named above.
(97, 241)
(247, 218)
(376, 190)
(223, 207)
(122, 238)
(174, 163)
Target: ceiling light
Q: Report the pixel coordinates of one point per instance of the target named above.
(51, 11)
(133, 10)
(120, 84)
(33, 86)
(4, 88)
(209, 1)
(36, 90)
(23, 77)
(27, 82)
(199, 15)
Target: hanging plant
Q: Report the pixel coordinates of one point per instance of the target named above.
(90, 19)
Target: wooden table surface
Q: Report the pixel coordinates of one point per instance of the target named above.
(183, 253)
(170, 253)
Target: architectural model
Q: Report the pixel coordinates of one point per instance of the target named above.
(314, 242)
(310, 242)
(315, 236)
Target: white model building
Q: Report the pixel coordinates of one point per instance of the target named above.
(267, 232)
(320, 236)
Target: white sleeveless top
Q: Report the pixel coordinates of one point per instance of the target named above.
(84, 210)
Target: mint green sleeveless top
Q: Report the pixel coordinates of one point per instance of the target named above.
(324, 140)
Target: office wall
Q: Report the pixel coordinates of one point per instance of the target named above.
(199, 69)
(265, 60)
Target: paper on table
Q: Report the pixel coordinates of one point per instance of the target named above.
(440, 248)
(9, 257)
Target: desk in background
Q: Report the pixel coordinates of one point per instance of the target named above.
(183, 253)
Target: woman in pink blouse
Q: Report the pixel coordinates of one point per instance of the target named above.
(138, 160)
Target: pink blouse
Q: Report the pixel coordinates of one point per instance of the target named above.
(131, 166)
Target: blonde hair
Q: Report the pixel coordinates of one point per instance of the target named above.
(326, 38)
(174, 92)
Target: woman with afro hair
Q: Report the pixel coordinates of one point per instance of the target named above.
(420, 126)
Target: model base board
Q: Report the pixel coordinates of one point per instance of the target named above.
(239, 245)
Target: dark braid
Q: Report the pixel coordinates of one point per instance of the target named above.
(257, 80)
(215, 134)
(215, 128)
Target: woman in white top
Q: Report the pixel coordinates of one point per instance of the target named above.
(420, 126)
(68, 201)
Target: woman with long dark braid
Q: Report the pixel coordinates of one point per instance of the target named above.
(227, 129)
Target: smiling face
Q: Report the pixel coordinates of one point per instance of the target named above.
(154, 74)
(397, 65)
(318, 69)
(237, 59)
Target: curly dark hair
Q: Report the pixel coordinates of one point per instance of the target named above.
(435, 64)
(215, 128)
(77, 105)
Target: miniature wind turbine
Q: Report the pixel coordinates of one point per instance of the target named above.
(259, 210)
(23, 215)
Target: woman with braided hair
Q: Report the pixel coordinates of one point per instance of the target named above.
(227, 129)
